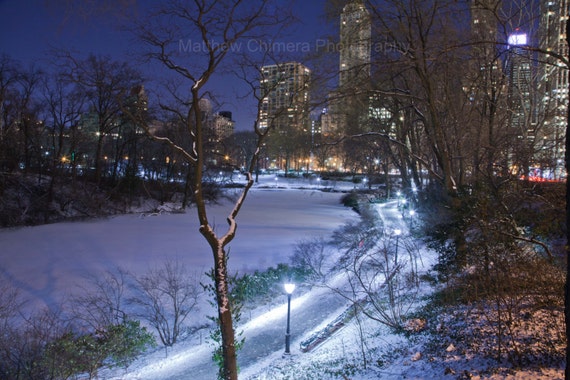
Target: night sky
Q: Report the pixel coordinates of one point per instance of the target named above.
(29, 29)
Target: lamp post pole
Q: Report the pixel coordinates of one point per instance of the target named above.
(397, 232)
(289, 288)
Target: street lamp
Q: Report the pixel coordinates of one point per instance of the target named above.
(412, 213)
(289, 288)
(397, 232)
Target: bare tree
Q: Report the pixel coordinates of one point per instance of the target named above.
(64, 106)
(8, 77)
(312, 256)
(10, 306)
(421, 65)
(212, 29)
(380, 276)
(10, 302)
(105, 84)
(29, 125)
(380, 269)
(23, 345)
(102, 301)
(243, 144)
(166, 297)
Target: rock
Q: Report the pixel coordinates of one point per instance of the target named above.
(415, 325)
(449, 371)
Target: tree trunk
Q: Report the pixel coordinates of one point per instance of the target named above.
(566, 290)
(98, 159)
(225, 315)
(217, 244)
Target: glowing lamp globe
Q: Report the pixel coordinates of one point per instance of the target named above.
(289, 288)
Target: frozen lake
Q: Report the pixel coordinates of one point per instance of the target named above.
(47, 261)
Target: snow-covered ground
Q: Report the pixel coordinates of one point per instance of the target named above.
(47, 261)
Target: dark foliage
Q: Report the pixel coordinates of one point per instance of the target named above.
(351, 200)
(34, 200)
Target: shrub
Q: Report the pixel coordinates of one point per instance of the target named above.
(115, 345)
(350, 200)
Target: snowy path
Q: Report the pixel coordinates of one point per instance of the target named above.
(391, 216)
(265, 335)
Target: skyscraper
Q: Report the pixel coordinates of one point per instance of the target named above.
(518, 66)
(355, 45)
(223, 125)
(350, 100)
(484, 25)
(521, 107)
(486, 71)
(220, 126)
(554, 81)
(285, 91)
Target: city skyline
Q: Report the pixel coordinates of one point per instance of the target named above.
(353, 49)
(30, 30)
